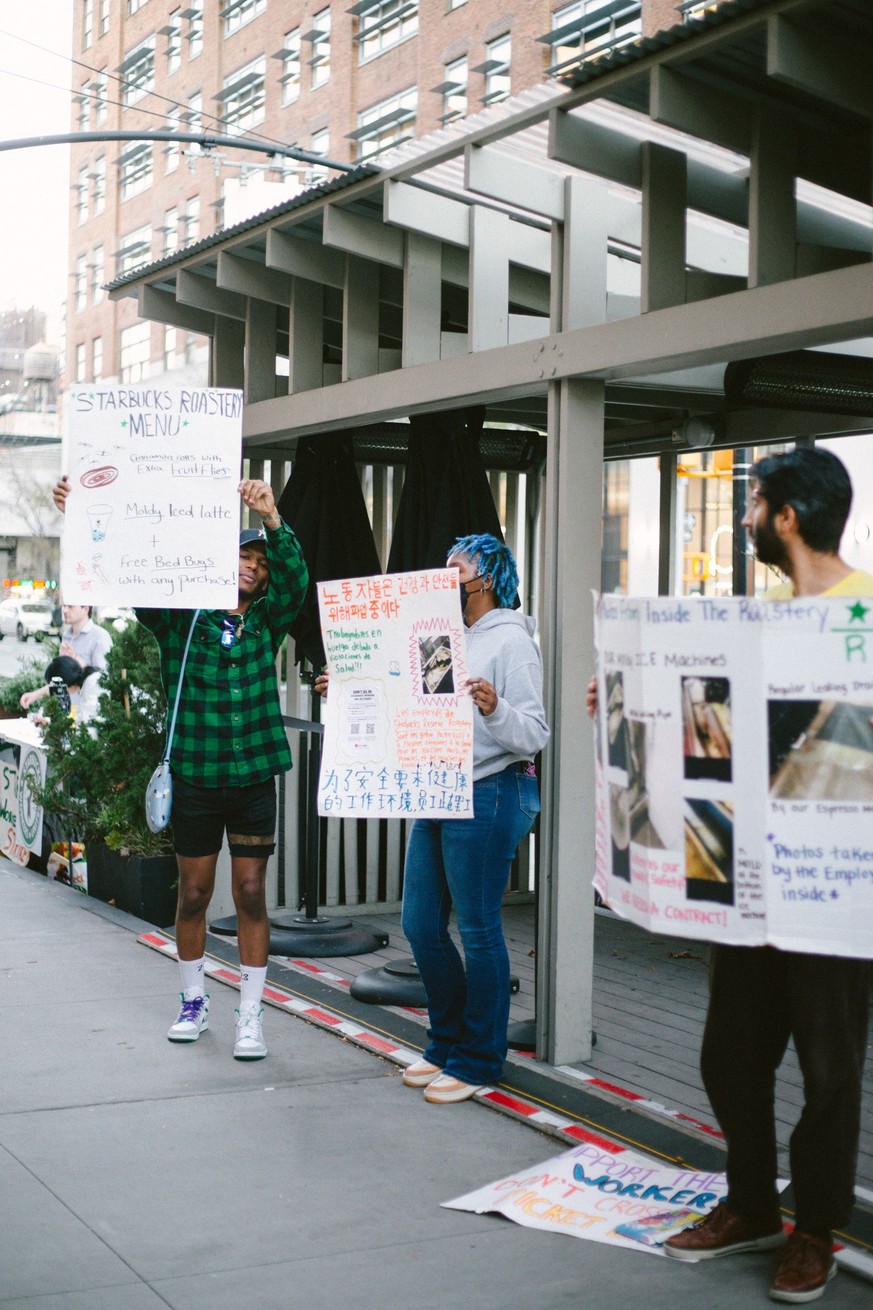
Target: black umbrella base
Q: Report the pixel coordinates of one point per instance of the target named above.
(397, 983)
(523, 1036)
(294, 934)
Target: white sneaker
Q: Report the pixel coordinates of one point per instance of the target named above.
(193, 1018)
(249, 1039)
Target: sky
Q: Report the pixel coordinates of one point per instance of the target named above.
(35, 182)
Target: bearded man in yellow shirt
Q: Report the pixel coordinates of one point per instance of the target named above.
(760, 996)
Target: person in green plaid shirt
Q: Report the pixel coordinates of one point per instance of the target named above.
(228, 746)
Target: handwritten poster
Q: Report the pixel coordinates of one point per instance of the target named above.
(22, 771)
(398, 735)
(153, 513)
(602, 1192)
(735, 769)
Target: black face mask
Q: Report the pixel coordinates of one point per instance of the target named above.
(465, 594)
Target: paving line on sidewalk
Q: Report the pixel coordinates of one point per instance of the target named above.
(858, 1258)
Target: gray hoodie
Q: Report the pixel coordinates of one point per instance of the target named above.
(501, 649)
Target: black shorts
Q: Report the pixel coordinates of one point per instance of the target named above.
(201, 815)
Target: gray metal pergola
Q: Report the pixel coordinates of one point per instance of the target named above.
(582, 260)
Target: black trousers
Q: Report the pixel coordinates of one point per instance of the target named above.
(759, 998)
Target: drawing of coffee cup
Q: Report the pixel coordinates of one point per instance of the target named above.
(98, 517)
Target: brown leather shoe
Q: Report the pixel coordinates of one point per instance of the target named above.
(724, 1231)
(805, 1268)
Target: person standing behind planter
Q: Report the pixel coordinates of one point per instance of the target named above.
(82, 639)
(229, 745)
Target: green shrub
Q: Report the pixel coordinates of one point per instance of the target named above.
(98, 772)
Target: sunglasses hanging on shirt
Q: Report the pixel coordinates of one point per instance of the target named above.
(232, 627)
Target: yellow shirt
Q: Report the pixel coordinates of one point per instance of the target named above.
(856, 583)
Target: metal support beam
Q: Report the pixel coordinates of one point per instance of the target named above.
(360, 319)
(665, 192)
(432, 215)
(226, 366)
(823, 64)
(572, 567)
(201, 293)
(260, 351)
(306, 259)
(667, 537)
(772, 208)
(306, 337)
(583, 264)
(693, 107)
(422, 300)
(163, 307)
(501, 176)
(489, 280)
(250, 279)
(362, 236)
(827, 308)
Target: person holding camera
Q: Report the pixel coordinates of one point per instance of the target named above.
(229, 745)
(73, 683)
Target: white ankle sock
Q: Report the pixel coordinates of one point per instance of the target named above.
(193, 977)
(251, 985)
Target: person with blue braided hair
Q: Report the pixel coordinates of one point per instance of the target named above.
(465, 863)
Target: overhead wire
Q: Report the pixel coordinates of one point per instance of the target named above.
(123, 82)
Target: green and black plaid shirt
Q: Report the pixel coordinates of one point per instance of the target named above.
(229, 730)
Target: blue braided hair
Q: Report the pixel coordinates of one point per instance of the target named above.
(493, 559)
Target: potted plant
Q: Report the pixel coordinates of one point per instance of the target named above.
(97, 775)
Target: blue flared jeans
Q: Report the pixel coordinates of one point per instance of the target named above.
(465, 863)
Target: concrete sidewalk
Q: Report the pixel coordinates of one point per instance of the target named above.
(135, 1173)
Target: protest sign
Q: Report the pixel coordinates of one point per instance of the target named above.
(152, 517)
(22, 771)
(735, 768)
(398, 735)
(602, 1192)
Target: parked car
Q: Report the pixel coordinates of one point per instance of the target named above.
(27, 618)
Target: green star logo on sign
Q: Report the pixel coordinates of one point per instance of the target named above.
(858, 611)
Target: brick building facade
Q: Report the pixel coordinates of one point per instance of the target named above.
(342, 80)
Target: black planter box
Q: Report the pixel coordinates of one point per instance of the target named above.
(144, 885)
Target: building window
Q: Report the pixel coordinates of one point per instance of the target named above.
(138, 72)
(80, 362)
(290, 78)
(135, 167)
(191, 220)
(87, 23)
(80, 301)
(172, 149)
(98, 275)
(456, 4)
(243, 98)
(85, 107)
(454, 90)
(173, 33)
(98, 177)
(193, 118)
(319, 37)
(97, 359)
(587, 28)
(383, 24)
(100, 109)
(171, 231)
(135, 250)
(239, 12)
(104, 17)
(82, 196)
(195, 28)
(134, 5)
(134, 348)
(496, 70)
(386, 124)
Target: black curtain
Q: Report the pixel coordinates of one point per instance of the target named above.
(324, 504)
(446, 493)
